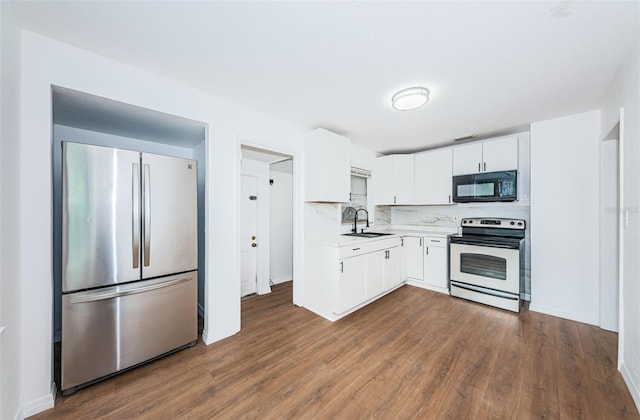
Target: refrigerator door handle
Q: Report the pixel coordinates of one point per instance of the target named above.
(94, 296)
(146, 214)
(135, 216)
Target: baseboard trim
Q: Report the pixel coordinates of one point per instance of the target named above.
(631, 386)
(282, 279)
(40, 404)
(566, 315)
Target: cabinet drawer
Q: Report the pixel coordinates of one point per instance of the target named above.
(435, 241)
(367, 246)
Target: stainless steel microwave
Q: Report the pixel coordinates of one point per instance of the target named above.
(485, 187)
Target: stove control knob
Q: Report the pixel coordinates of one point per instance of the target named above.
(470, 221)
(519, 223)
(512, 223)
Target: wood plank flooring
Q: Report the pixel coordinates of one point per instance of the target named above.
(411, 354)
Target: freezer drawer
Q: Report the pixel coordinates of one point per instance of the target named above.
(113, 328)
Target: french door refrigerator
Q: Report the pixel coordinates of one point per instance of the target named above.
(129, 259)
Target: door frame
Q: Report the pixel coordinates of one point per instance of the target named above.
(298, 210)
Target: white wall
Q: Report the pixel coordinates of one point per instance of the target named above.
(281, 223)
(46, 62)
(565, 217)
(10, 218)
(625, 93)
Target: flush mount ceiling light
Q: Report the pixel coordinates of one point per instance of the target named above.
(410, 98)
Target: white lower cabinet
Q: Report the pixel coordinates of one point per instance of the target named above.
(436, 272)
(364, 272)
(352, 291)
(426, 262)
(374, 274)
(413, 257)
(391, 271)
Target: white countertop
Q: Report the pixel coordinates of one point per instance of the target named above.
(395, 232)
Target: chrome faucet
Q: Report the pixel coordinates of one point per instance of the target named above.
(355, 221)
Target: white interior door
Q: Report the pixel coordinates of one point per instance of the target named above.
(248, 235)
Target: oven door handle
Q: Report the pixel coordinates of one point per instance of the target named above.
(486, 291)
(483, 244)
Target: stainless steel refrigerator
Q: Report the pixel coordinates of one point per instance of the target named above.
(129, 255)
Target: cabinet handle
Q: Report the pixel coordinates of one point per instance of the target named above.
(394, 199)
(427, 250)
(401, 241)
(485, 167)
(355, 249)
(342, 266)
(479, 167)
(449, 198)
(420, 241)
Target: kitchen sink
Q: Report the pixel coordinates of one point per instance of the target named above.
(367, 234)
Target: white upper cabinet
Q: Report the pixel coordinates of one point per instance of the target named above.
(328, 167)
(394, 179)
(500, 155)
(467, 159)
(487, 156)
(433, 171)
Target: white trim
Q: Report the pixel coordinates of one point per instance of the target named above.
(632, 386)
(621, 228)
(282, 279)
(362, 173)
(566, 315)
(40, 404)
(19, 414)
(205, 337)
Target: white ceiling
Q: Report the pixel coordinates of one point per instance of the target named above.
(492, 67)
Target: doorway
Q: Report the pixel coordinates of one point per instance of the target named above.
(266, 225)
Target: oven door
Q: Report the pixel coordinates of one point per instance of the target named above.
(486, 266)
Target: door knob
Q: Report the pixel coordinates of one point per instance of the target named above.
(253, 238)
(253, 245)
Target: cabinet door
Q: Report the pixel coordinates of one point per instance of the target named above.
(375, 273)
(433, 171)
(392, 268)
(500, 155)
(328, 167)
(351, 283)
(435, 266)
(413, 257)
(467, 159)
(383, 175)
(403, 179)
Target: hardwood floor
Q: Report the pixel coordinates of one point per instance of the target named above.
(411, 354)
